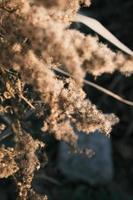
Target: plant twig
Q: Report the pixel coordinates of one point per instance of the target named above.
(26, 100)
(22, 96)
(98, 87)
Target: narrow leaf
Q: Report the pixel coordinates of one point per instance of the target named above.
(101, 30)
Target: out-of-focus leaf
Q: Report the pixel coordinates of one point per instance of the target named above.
(101, 30)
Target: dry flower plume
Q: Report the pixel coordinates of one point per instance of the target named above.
(35, 43)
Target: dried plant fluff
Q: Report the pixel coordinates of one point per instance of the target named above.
(36, 40)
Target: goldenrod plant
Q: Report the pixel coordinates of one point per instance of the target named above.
(36, 43)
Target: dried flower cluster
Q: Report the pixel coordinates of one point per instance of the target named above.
(8, 165)
(35, 40)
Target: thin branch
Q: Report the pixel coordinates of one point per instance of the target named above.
(98, 87)
(22, 96)
(27, 101)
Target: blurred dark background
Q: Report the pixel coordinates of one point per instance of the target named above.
(115, 15)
